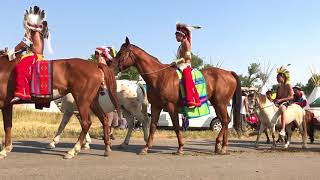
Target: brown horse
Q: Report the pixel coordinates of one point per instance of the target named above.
(163, 92)
(80, 77)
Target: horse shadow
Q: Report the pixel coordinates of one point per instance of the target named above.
(193, 148)
(35, 147)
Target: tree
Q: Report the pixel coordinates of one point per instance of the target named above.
(93, 58)
(130, 74)
(196, 61)
(252, 78)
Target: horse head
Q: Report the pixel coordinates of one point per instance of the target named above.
(261, 101)
(125, 57)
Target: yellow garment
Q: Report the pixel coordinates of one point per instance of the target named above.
(40, 57)
(273, 96)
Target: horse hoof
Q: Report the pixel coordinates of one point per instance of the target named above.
(9, 148)
(273, 147)
(68, 156)
(286, 146)
(304, 146)
(51, 146)
(143, 152)
(106, 154)
(85, 147)
(218, 149)
(179, 153)
(123, 146)
(2, 156)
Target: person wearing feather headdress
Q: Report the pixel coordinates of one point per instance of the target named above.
(183, 62)
(284, 94)
(36, 30)
(104, 55)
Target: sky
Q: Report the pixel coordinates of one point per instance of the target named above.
(235, 32)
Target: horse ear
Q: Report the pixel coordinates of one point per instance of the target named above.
(127, 41)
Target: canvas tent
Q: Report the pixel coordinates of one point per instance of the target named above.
(315, 95)
(315, 103)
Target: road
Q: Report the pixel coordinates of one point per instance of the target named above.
(30, 160)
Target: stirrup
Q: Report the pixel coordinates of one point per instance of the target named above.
(15, 100)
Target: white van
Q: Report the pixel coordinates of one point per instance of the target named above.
(210, 121)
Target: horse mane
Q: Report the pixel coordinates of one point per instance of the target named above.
(143, 51)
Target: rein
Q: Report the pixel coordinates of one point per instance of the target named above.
(153, 72)
(142, 73)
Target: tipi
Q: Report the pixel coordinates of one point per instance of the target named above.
(315, 94)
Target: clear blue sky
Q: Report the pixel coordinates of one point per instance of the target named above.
(235, 32)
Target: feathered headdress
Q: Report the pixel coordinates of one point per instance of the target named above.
(185, 30)
(107, 52)
(285, 71)
(34, 20)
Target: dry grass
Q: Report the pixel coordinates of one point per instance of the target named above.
(28, 124)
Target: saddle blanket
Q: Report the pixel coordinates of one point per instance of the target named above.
(201, 87)
(41, 79)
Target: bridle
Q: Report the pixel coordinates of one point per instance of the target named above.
(257, 106)
(132, 56)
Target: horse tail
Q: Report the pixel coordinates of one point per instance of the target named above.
(236, 103)
(111, 84)
(145, 99)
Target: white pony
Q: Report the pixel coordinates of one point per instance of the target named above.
(271, 116)
(132, 99)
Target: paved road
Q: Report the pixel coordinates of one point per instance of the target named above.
(30, 160)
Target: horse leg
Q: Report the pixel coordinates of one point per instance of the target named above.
(267, 136)
(261, 129)
(173, 111)
(289, 134)
(144, 119)
(155, 113)
(303, 131)
(274, 144)
(87, 140)
(98, 111)
(7, 124)
(145, 127)
(130, 122)
(222, 114)
(311, 132)
(84, 108)
(65, 120)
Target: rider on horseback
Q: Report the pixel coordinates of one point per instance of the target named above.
(104, 55)
(284, 95)
(183, 35)
(36, 31)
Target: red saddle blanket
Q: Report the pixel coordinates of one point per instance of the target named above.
(41, 80)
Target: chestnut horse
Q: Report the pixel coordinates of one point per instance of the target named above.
(163, 92)
(80, 77)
